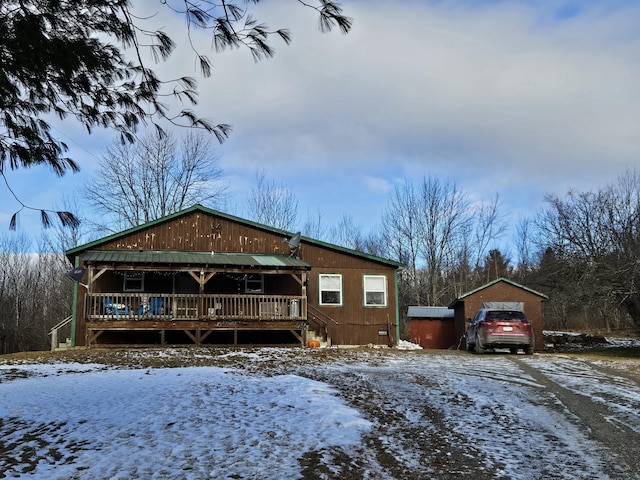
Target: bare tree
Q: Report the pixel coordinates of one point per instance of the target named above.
(35, 294)
(595, 237)
(143, 181)
(401, 233)
(58, 238)
(489, 225)
(313, 226)
(347, 233)
(525, 245)
(21, 287)
(433, 228)
(272, 204)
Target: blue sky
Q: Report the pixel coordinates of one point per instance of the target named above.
(517, 98)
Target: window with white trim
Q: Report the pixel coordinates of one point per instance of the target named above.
(330, 289)
(375, 290)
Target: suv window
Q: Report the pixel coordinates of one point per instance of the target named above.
(506, 316)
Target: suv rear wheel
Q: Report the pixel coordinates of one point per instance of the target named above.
(479, 348)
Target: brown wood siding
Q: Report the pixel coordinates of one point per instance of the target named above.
(357, 324)
(203, 232)
(502, 292)
(433, 333)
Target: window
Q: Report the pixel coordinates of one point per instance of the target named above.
(254, 283)
(330, 289)
(375, 291)
(133, 282)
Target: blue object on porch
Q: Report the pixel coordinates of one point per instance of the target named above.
(115, 308)
(155, 305)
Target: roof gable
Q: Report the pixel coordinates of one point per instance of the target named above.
(96, 244)
(498, 280)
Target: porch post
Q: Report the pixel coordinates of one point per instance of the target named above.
(303, 305)
(395, 282)
(201, 301)
(74, 308)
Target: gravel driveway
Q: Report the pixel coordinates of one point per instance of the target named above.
(458, 415)
(429, 414)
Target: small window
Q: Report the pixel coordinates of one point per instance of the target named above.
(375, 291)
(330, 289)
(254, 283)
(133, 282)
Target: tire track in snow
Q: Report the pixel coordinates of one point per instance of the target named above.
(600, 420)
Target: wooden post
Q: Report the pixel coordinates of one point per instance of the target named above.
(54, 339)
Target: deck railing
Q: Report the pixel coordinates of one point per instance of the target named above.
(159, 306)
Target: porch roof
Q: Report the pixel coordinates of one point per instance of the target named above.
(210, 259)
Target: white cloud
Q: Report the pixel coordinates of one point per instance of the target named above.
(377, 184)
(413, 81)
(494, 94)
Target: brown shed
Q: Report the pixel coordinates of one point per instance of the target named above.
(200, 276)
(500, 290)
(432, 327)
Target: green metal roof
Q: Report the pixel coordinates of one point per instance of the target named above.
(194, 258)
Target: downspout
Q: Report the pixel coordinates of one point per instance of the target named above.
(74, 307)
(395, 284)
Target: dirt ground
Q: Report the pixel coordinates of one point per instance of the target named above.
(442, 414)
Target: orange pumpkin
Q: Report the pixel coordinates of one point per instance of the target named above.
(313, 344)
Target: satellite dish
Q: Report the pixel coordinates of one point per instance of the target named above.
(294, 242)
(76, 274)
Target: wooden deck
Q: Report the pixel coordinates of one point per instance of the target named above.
(191, 319)
(167, 307)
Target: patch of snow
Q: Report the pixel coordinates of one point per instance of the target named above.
(405, 345)
(195, 422)
(625, 342)
(560, 333)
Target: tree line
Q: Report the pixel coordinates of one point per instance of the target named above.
(68, 59)
(582, 249)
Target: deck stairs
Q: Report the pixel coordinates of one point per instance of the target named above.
(66, 345)
(54, 333)
(318, 323)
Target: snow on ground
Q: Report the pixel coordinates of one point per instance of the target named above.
(297, 413)
(196, 422)
(404, 345)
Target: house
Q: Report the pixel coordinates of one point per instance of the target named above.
(432, 327)
(200, 276)
(500, 293)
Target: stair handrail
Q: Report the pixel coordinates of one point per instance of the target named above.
(323, 319)
(54, 331)
(61, 324)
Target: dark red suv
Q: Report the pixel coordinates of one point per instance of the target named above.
(493, 328)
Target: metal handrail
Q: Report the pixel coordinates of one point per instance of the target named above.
(54, 331)
(323, 319)
(61, 324)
